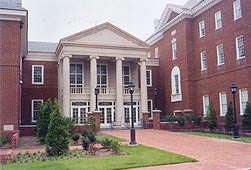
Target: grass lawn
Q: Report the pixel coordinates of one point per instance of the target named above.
(220, 136)
(139, 156)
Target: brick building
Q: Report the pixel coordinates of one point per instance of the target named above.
(203, 47)
(196, 52)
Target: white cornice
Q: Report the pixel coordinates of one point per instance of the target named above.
(38, 56)
(12, 15)
(152, 62)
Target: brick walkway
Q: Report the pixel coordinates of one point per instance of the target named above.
(212, 154)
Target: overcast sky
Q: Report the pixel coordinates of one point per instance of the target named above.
(51, 20)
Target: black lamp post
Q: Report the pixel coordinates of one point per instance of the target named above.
(96, 93)
(133, 142)
(155, 98)
(236, 130)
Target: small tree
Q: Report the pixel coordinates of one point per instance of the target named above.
(229, 119)
(246, 121)
(58, 133)
(43, 120)
(211, 117)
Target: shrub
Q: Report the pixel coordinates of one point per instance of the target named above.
(181, 120)
(43, 120)
(58, 133)
(3, 140)
(115, 147)
(196, 119)
(75, 137)
(88, 138)
(229, 120)
(92, 122)
(211, 117)
(246, 121)
(106, 143)
(85, 143)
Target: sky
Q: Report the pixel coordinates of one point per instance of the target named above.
(52, 20)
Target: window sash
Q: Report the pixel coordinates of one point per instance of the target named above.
(237, 9)
(102, 76)
(35, 105)
(223, 103)
(76, 75)
(218, 20)
(176, 82)
(156, 52)
(37, 74)
(203, 60)
(150, 107)
(243, 100)
(205, 105)
(240, 48)
(220, 54)
(174, 49)
(126, 75)
(202, 28)
(149, 77)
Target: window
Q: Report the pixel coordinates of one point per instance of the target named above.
(203, 56)
(126, 75)
(156, 52)
(149, 77)
(76, 78)
(237, 9)
(37, 74)
(150, 108)
(240, 50)
(148, 54)
(176, 85)
(205, 105)
(223, 103)
(174, 49)
(243, 100)
(218, 21)
(35, 104)
(202, 29)
(102, 76)
(220, 54)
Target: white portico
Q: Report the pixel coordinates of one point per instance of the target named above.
(108, 58)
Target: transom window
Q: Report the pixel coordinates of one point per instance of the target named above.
(205, 105)
(102, 75)
(202, 29)
(240, 49)
(237, 9)
(218, 21)
(149, 77)
(37, 74)
(223, 103)
(174, 49)
(220, 54)
(126, 75)
(76, 78)
(203, 55)
(35, 105)
(243, 100)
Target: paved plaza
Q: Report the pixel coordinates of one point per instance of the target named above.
(212, 154)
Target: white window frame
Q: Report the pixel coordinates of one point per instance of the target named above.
(202, 29)
(242, 108)
(174, 48)
(33, 69)
(238, 47)
(205, 107)
(175, 97)
(123, 75)
(32, 109)
(237, 9)
(148, 54)
(203, 61)
(151, 105)
(107, 78)
(218, 20)
(220, 54)
(223, 106)
(150, 78)
(156, 52)
(77, 86)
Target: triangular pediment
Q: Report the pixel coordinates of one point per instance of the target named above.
(105, 34)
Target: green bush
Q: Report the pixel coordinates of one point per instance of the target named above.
(43, 120)
(196, 119)
(58, 133)
(75, 137)
(229, 117)
(3, 140)
(115, 147)
(88, 138)
(181, 120)
(211, 117)
(246, 121)
(92, 122)
(106, 143)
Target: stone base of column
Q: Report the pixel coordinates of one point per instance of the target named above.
(96, 115)
(156, 119)
(145, 119)
(117, 123)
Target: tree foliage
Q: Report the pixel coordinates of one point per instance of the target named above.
(43, 120)
(246, 121)
(229, 117)
(211, 117)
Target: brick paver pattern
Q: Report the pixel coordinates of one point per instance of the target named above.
(212, 154)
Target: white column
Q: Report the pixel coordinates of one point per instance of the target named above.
(119, 93)
(66, 85)
(143, 88)
(93, 81)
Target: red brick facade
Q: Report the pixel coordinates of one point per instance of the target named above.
(10, 34)
(194, 82)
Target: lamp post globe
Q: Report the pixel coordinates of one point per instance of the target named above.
(233, 88)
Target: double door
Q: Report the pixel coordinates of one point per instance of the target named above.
(107, 116)
(127, 115)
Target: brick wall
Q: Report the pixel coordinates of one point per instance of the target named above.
(9, 73)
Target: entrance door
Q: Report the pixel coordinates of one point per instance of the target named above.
(127, 115)
(79, 114)
(106, 117)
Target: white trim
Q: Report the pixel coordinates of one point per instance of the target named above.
(107, 75)
(237, 47)
(130, 75)
(201, 28)
(150, 72)
(240, 97)
(218, 55)
(204, 105)
(174, 49)
(220, 99)
(37, 83)
(218, 13)
(156, 52)
(39, 56)
(202, 64)
(151, 113)
(235, 3)
(32, 109)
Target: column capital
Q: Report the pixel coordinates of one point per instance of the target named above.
(143, 59)
(66, 55)
(94, 57)
(120, 58)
